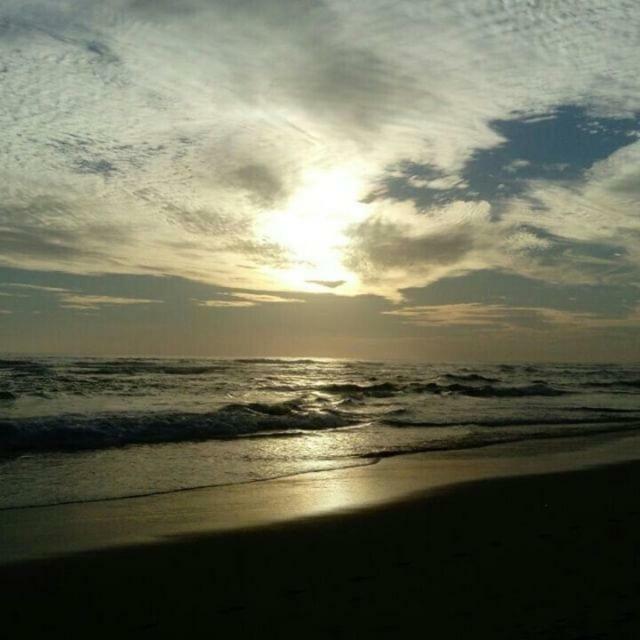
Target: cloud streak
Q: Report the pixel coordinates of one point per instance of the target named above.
(69, 299)
(500, 317)
(240, 300)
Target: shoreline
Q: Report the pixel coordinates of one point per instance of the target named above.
(41, 532)
(542, 553)
(364, 460)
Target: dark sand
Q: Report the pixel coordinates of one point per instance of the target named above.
(548, 556)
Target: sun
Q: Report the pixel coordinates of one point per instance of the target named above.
(313, 228)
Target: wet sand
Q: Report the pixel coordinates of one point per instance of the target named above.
(550, 555)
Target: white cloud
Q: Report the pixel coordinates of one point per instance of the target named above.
(225, 303)
(245, 300)
(34, 287)
(70, 299)
(86, 301)
(527, 241)
(259, 298)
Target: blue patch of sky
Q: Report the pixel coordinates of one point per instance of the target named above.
(560, 146)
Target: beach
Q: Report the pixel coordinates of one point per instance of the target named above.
(528, 540)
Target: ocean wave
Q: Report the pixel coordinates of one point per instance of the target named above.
(632, 384)
(7, 363)
(134, 366)
(469, 377)
(606, 410)
(491, 391)
(24, 366)
(382, 389)
(388, 389)
(76, 432)
(129, 370)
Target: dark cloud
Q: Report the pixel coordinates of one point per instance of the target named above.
(217, 232)
(94, 155)
(330, 284)
(344, 83)
(265, 252)
(40, 230)
(102, 51)
(626, 186)
(209, 222)
(36, 243)
(306, 57)
(592, 259)
(379, 245)
(99, 167)
(59, 22)
(39, 211)
(258, 180)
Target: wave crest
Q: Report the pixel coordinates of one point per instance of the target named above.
(387, 389)
(77, 432)
(382, 390)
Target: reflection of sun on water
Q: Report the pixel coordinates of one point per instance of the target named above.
(339, 486)
(313, 228)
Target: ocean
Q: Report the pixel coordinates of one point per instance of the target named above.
(84, 429)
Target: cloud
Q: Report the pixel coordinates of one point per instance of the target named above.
(162, 137)
(498, 317)
(561, 146)
(87, 301)
(264, 187)
(35, 287)
(33, 243)
(245, 300)
(384, 245)
(224, 303)
(260, 298)
(400, 247)
(70, 299)
(49, 232)
(330, 284)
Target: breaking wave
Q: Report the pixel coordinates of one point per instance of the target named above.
(386, 389)
(381, 390)
(493, 391)
(76, 432)
(469, 377)
(631, 384)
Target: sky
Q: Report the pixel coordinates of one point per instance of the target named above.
(386, 179)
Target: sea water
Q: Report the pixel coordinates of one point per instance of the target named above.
(80, 429)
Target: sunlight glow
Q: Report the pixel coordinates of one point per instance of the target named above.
(314, 227)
